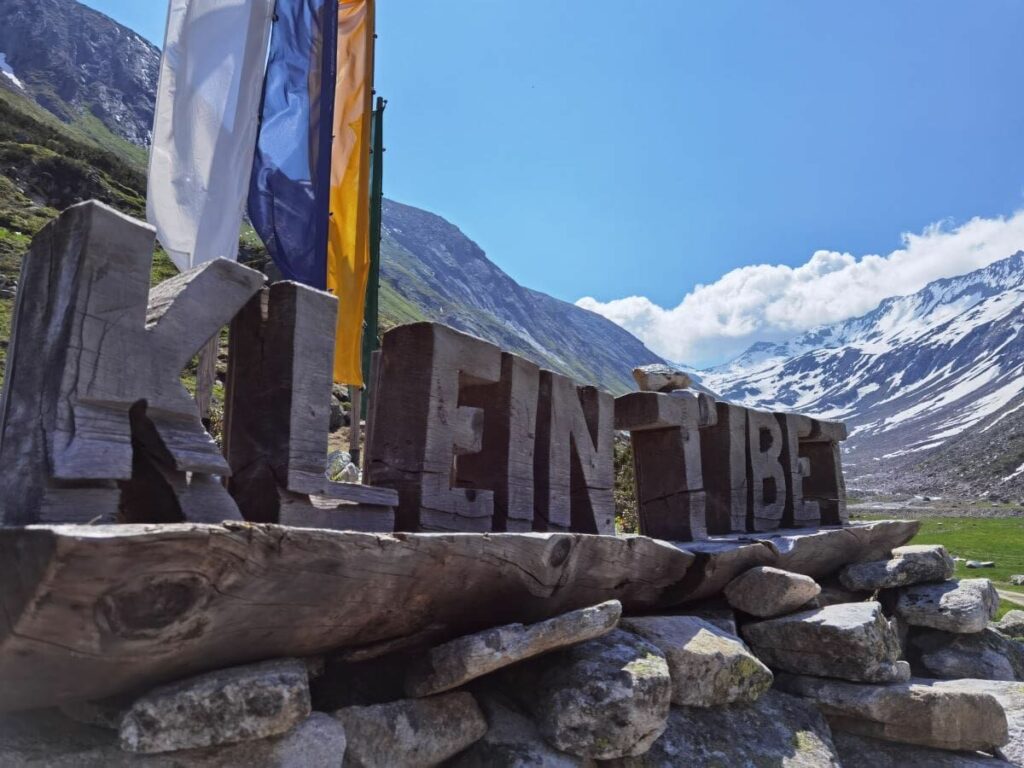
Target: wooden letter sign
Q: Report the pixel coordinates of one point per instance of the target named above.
(93, 403)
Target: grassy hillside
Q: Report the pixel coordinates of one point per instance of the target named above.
(46, 166)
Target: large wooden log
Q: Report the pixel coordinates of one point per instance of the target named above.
(91, 611)
(813, 552)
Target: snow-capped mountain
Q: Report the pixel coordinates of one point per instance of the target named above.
(912, 377)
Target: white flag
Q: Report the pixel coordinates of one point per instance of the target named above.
(204, 130)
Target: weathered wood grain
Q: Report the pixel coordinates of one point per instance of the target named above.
(277, 415)
(420, 427)
(505, 463)
(767, 475)
(91, 611)
(724, 461)
(813, 552)
(824, 483)
(664, 431)
(574, 468)
(91, 342)
(799, 512)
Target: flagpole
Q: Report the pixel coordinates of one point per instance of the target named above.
(371, 340)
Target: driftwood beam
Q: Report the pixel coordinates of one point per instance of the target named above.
(91, 611)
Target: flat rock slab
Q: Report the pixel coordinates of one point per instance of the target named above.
(93, 611)
(411, 733)
(863, 752)
(1010, 696)
(603, 699)
(778, 730)
(964, 606)
(912, 713)
(1012, 624)
(985, 655)
(46, 739)
(709, 667)
(916, 564)
(222, 707)
(813, 552)
(852, 641)
(766, 592)
(512, 741)
(458, 661)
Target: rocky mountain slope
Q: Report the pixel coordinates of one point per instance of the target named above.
(80, 65)
(431, 270)
(76, 89)
(931, 383)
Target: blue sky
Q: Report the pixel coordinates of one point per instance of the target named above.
(637, 149)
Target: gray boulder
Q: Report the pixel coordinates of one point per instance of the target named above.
(222, 707)
(911, 713)
(980, 564)
(1017, 580)
(512, 741)
(1012, 624)
(719, 614)
(915, 564)
(45, 739)
(466, 658)
(985, 655)
(765, 591)
(603, 699)
(411, 733)
(661, 378)
(709, 667)
(863, 752)
(777, 730)
(965, 606)
(1010, 696)
(836, 594)
(853, 641)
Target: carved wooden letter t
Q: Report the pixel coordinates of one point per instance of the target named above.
(421, 428)
(94, 371)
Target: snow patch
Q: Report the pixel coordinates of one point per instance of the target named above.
(5, 69)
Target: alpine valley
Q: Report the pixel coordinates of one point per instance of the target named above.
(930, 384)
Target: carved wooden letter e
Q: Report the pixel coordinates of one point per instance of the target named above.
(421, 427)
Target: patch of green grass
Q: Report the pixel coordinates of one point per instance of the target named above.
(1005, 606)
(1000, 539)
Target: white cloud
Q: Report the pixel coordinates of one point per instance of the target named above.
(716, 322)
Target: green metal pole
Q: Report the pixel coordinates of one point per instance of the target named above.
(371, 328)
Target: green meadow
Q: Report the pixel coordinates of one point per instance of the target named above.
(999, 539)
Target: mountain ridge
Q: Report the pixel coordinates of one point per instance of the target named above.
(915, 377)
(65, 133)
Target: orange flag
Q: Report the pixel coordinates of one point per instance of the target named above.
(348, 250)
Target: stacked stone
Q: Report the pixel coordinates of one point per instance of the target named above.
(590, 687)
(848, 657)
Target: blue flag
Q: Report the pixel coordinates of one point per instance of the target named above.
(291, 179)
